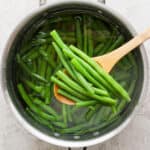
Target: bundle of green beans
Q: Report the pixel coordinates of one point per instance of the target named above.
(45, 59)
(86, 82)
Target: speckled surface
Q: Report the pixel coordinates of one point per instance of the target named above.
(13, 136)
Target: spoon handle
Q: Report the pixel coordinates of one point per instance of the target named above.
(110, 59)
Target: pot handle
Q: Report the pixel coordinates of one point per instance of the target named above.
(102, 1)
(43, 2)
(84, 148)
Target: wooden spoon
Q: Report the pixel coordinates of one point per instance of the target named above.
(108, 61)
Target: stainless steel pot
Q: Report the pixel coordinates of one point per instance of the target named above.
(7, 67)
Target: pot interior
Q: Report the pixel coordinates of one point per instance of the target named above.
(33, 25)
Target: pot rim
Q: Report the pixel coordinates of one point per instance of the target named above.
(50, 139)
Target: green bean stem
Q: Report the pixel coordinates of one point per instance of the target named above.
(78, 32)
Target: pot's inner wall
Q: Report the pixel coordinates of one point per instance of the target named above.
(35, 22)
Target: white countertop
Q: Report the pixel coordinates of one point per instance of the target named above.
(137, 134)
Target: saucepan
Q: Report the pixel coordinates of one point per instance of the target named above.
(7, 69)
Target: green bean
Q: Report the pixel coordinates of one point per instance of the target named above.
(68, 39)
(59, 66)
(96, 128)
(46, 108)
(39, 63)
(26, 48)
(47, 95)
(90, 43)
(39, 119)
(34, 66)
(121, 106)
(101, 36)
(59, 124)
(121, 76)
(48, 73)
(132, 87)
(108, 44)
(102, 115)
(66, 88)
(23, 64)
(93, 117)
(39, 42)
(117, 43)
(91, 107)
(74, 109)
(118, 110)
(47, 59)
(34, 87)
(31, 55)
(85, 83)
(42, 35)
(74, 128)
(52, 90)
(64, 93)
(98, 48)
(122, 66)
(114, 110)
(35, 109)
(68, 34)
(39, 77)
(57, 39)
(99, 25)
(49, 50)
(105, 100)
(78, 32)
(102, 73)
(42, 94)
(133, 62)
(101, 92)
(86, 103)
(63, 59)
(130, 56)
(43, 69)
(53, 54)
(27, 70)
(85, 47)
(69, 115)
(78, 119)
(124, 84)
(91, 112)
(64, 113)
(72, 83)
(62, 45)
